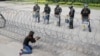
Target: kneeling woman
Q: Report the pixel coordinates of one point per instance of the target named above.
(27, 49)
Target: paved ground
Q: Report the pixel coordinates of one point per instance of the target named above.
(55, 41)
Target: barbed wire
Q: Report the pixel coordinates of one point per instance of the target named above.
(23, 20)
(20, 22)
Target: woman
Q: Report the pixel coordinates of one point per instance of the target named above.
(27, 49)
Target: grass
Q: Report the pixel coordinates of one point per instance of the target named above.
(76, 4)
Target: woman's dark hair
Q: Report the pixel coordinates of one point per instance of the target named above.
(31, 33)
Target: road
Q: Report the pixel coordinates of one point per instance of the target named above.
(55, 41)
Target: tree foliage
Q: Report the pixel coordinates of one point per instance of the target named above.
(82, 1)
